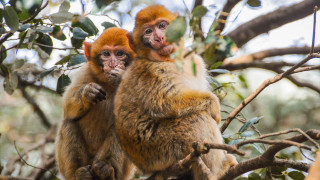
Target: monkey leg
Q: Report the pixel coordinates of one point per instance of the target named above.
(71, 150)
(108, 161)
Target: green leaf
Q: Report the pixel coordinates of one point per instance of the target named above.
(78, 33)
(64, 60)
(277, 170)
(254, 3)
(65, 6)
(247, 134)
(11, 17)
(47, 72)
(254, 120)
(176, 29)
(61, 17)
(47, 41)
(86, 24)
(194, 68)
(58, 34)
(77, 43)
(216, 65)
(3, 53)
(76, 59)
(220, 71)
(18, 64)
(254, 176)
(63, 81)
(10, 82)
(214, 81)
(1, 15)
(102, 3)
(4, 70)
(44, 29)
(23, 27)
(199, 11)
(296, 175)
(258, 148)
(107, 25)
(243, 81)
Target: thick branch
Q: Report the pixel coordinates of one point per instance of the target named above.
(262, 24)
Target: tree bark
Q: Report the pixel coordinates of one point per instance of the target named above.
(262, 24)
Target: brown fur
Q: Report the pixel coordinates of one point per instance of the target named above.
(86, 145)
(161, 111)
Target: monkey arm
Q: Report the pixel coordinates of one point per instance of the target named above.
(183, 103)
(75, 105)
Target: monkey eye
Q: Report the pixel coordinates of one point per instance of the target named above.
(120, 53)
(106, 53)
(148, 31)
(162, 25)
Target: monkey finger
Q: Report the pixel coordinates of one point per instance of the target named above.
(100, 96)
(102, 91)
(103, 169)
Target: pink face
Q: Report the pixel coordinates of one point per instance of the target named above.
(113, 59)
(153, 36)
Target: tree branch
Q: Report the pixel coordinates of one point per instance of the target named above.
(262, 24)
(9, 34)
(36, 107)
(225, 13)
(257, 56)
(267, 158)
(265, 84)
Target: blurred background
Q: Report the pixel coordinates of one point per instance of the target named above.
(40, 56)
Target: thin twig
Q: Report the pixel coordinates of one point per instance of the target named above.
(273, 142)
(9, 34)
(265, 84)
(24, 161)
(314, 27)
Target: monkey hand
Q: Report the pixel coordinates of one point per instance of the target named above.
(115, 76)
(84, 173)
(93, 93)
(103, 169)
(214, 108)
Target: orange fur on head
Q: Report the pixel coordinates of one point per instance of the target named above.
(149, 15)
(112, 37)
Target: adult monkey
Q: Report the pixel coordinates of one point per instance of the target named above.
(86, 145)
(161, 111)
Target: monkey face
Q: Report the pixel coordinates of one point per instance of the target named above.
(113, 61)
(153, 36)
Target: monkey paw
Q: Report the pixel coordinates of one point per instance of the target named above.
(103, 169)
(93, 92)
(84, 173)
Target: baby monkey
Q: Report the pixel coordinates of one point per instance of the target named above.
(86, 144)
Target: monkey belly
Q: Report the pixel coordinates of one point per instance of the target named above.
(154, 145)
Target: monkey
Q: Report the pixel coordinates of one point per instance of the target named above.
(86, 145)
(161, 111)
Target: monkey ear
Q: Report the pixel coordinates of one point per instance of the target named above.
(130, 38)
(87, 50)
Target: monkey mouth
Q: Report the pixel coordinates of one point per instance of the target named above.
(166, 50)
